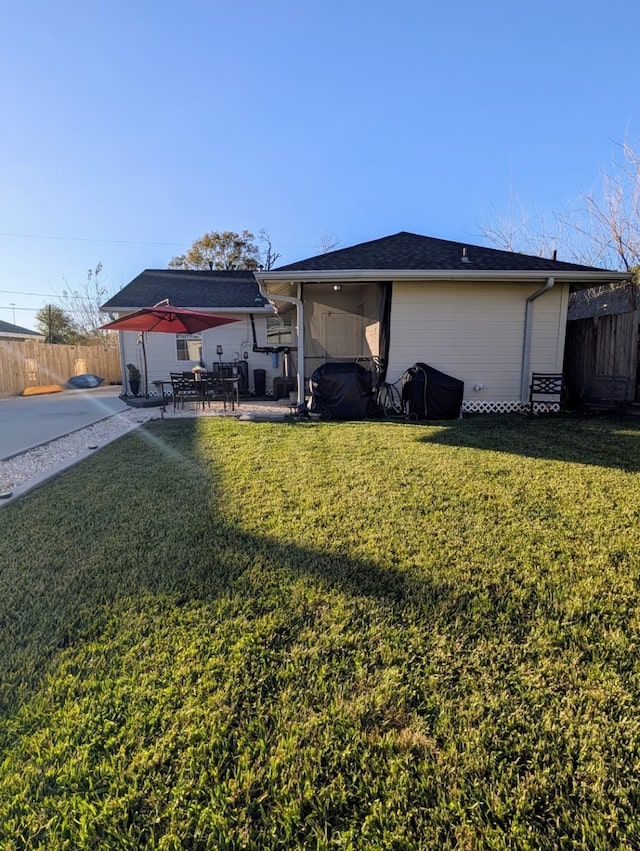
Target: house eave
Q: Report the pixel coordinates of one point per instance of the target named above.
(267, 310)
(573, 276)
(8, 335)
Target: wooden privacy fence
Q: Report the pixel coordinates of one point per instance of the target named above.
(32, 363)
(601, 346)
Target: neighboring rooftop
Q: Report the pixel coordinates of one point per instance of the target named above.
(603, 301)
(9, 330)
(410, 251)
(217, 290)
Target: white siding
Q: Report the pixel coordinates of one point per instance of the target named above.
(235, 337)
(475, 332)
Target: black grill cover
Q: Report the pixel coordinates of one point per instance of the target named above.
(429, 394)
(341, 391)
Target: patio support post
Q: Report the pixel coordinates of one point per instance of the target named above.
(526, 347)
(123, 368)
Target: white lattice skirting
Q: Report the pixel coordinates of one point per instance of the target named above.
(488, 406)
(507, 407)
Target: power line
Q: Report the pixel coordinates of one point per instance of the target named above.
(65, 295)
(118, 241)
(85, 239)
(19, 292)
(28, 309)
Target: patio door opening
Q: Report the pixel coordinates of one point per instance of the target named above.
(344, 323)
(344, 335)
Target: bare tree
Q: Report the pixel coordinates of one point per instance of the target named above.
(605, 222)
(269, 256)
(601, 228)
(521, 231)
(82, 306)
(328, 242)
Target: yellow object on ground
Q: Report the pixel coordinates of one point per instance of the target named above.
(45, 388)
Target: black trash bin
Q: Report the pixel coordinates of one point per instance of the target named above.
(259, 381)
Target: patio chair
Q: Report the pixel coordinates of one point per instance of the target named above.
(184, 390)
(546, 393)
(212, 390)
(606, 394)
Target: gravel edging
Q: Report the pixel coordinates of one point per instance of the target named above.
(28, 470)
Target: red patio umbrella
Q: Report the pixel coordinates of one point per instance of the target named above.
(165, 318)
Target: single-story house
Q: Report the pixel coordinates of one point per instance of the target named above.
(15, 332)
(257, 341)
(485, 316)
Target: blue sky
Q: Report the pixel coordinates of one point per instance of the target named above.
(129, 129)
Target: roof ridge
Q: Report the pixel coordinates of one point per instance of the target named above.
(410, 251)
(199, 271)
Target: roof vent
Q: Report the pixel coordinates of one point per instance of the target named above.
(554, 256)
(464, 258)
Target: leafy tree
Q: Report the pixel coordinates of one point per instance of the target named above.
(57, 326)
(222, 250)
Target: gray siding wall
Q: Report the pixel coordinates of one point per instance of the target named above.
(475, 332)
(235, 337)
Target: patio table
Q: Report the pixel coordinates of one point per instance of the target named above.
(229, 386)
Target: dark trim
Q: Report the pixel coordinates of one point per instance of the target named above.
(385, 292)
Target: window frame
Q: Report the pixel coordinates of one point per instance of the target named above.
(183, 353)
(280, 327)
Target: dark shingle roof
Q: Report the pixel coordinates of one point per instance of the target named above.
(189, 288)
(411, 251)
(8, 328)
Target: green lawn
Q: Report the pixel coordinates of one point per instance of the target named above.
(223, 635)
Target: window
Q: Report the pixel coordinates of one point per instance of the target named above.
(189, 346)
(280, 330)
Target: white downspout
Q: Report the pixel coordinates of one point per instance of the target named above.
(526, 347)
(300, 331)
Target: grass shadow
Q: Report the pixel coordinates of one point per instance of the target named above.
(144, 519)
(598, 441)
(188, 652)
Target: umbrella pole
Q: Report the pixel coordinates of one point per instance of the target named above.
(144, 359)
